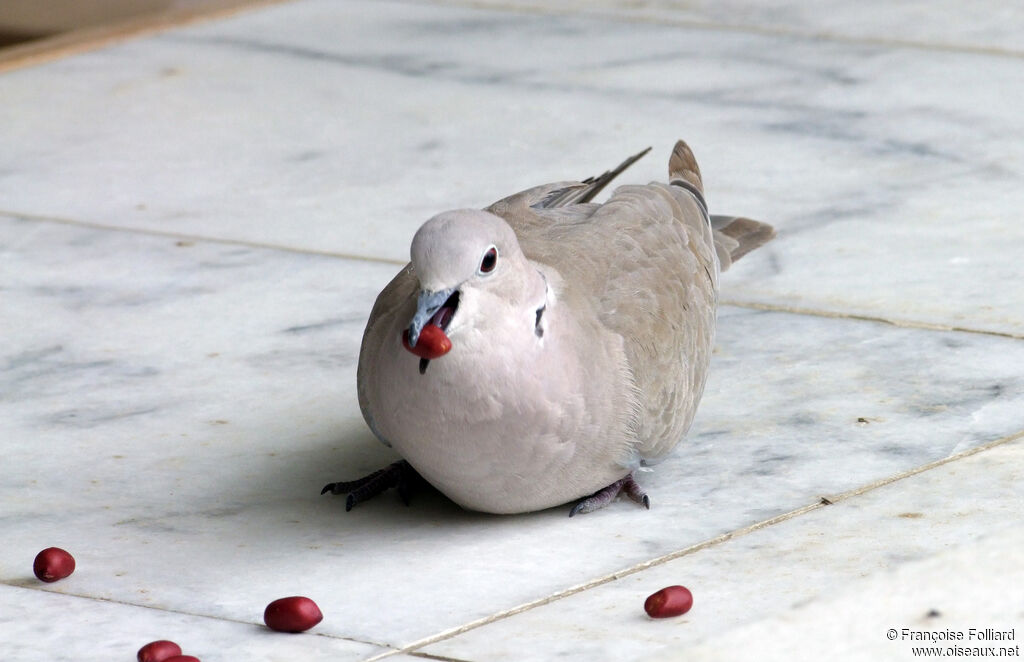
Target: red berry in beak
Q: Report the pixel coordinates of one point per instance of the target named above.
(432, 343)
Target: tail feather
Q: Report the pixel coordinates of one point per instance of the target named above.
(735, 236)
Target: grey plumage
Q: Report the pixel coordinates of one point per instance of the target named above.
(582, 354)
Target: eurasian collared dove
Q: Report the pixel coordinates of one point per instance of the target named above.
(541, 350)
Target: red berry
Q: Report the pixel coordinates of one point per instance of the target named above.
(182, 658)
(159, 651)
(295, 614)
(53, 563)
(432, 343)
(669, 601)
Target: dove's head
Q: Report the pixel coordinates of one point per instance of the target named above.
(462, 257)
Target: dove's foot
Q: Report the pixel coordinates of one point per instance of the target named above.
(399, 474)
(603, 497)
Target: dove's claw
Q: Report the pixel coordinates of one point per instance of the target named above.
(398, 474)
(582, 507)
(635, 492)
(604, 496)
(345, 487)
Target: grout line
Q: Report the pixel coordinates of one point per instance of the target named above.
(882, 482)
(796, 310)
(904, 323)
(579, 588)
(686, 551)
(182, 236)
(169, 610)
(431, 656)
(718, 26)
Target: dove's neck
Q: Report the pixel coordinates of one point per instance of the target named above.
(529, 289)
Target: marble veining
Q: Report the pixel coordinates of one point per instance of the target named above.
(988, 26)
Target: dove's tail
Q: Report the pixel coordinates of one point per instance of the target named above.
(734, 236)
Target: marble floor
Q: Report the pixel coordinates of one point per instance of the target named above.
(194, 224)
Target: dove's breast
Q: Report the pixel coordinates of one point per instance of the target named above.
(506, 421)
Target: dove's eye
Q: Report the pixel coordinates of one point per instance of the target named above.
(488, 261)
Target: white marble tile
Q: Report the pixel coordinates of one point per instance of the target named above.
(169, 412)
(986, 25)
(796, 590)
(962, 601)
(887, 170)
(42, 625)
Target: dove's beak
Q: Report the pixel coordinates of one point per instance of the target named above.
(435, 308)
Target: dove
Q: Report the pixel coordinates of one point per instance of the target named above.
(539, 351)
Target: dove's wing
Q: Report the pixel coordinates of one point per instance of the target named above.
(662, 299)
(643, 265)
(558, 202)
(585, 191)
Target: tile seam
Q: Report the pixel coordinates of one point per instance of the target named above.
(823, 502)
(864, 317)
(431, 656)
(182, 612)
(934, 464)
(782, 308)
(184, 236)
